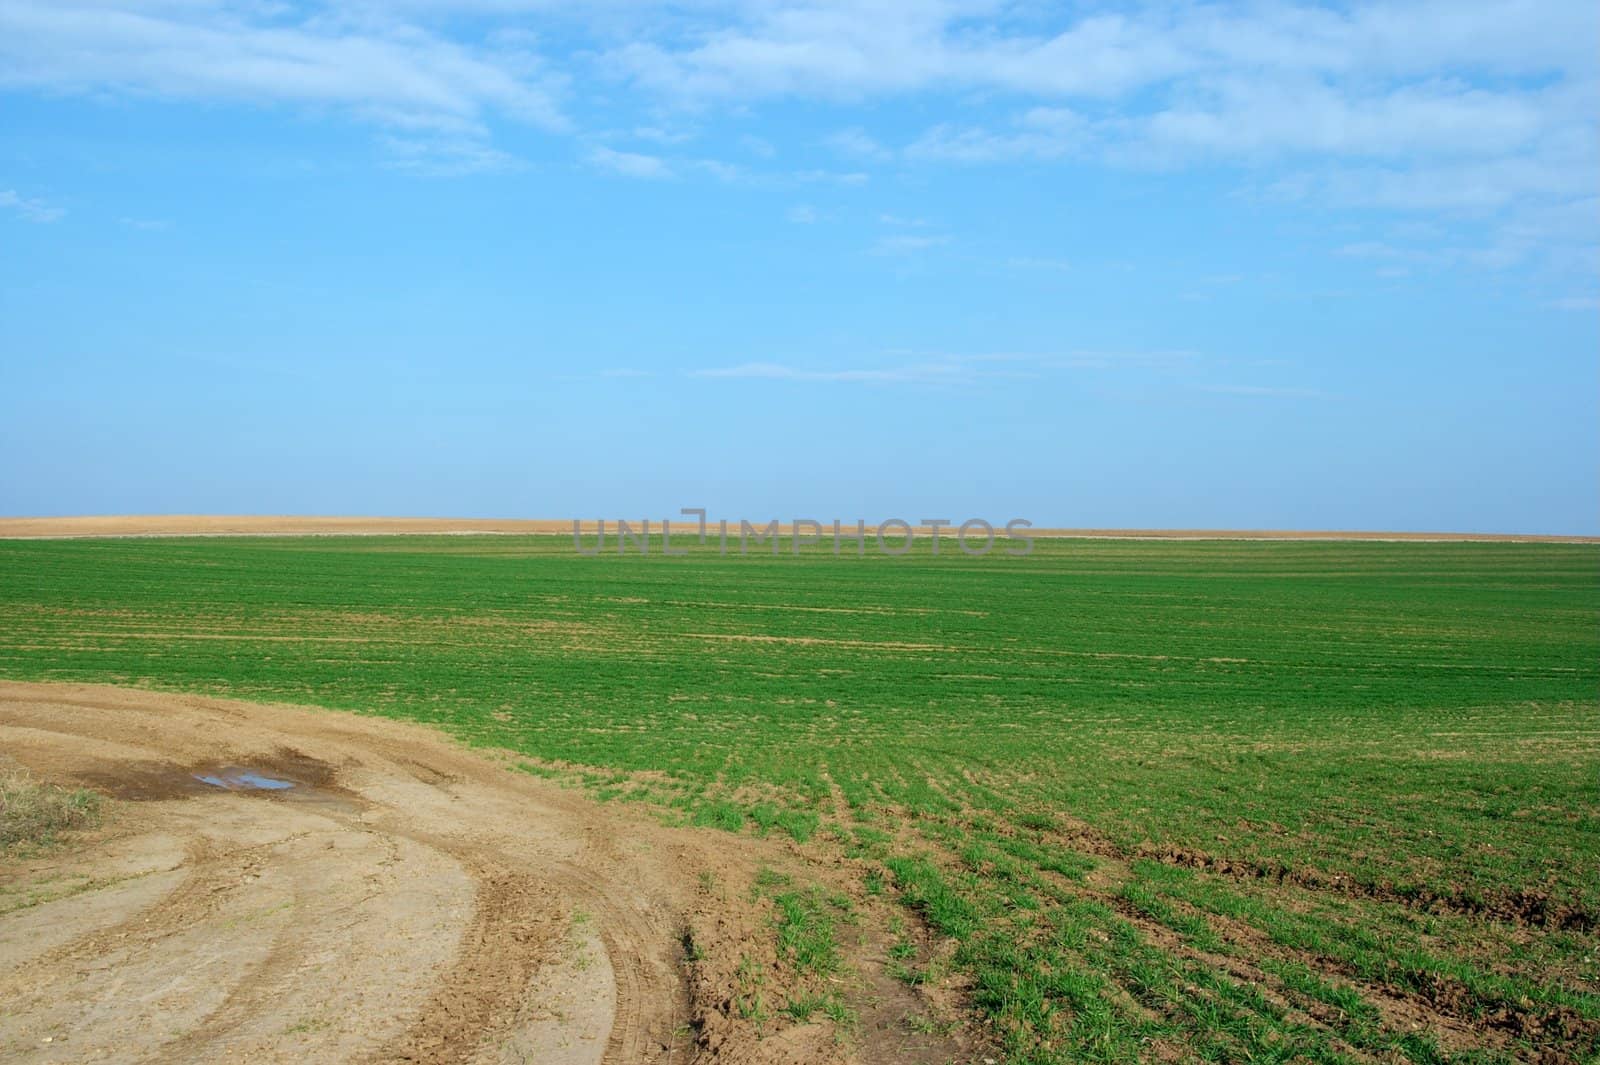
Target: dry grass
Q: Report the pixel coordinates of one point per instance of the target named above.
(32, 813)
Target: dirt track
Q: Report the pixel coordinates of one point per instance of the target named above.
(405, 900)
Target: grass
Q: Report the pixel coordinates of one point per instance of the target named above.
(34, 814)
(1115, 775)
(806, 922)
(806, 935)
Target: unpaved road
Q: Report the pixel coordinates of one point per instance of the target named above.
(404, 900)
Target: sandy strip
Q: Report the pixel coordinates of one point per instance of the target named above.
(271, 525)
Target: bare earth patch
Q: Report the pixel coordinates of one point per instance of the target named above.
(280, 884)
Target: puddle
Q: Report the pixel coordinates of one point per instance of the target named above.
(233, 778)
(284, 773)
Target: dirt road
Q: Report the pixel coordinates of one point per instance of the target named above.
(293, 885)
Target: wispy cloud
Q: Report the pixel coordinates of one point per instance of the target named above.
(147, 225)
(628, 164)
(1377, 249)
(831, 177)
(658, 135)
(1264, 391)
(845, 51)
(1452, 106)
(1038, 133)
(446, 156)
(1161, 359)
(363, 62)
(722, 171)
(1576, 303)
(1207, 287)
(29, 210)
(945, 368)
(651, 166)
(1033, 262)
(857, 143)
(759, 147)
(907, 244)
(772, 371)
(1554, 231)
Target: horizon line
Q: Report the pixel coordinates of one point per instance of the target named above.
(122, 526)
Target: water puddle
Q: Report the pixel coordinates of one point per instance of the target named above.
(235, 778)
(284, 774)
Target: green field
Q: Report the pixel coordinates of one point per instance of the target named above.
(1241, 801)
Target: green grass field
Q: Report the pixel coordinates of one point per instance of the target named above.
(1239, 801)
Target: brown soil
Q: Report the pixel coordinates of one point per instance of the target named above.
(1524, 906)
(404, 900)
(287, 525)
(1442, 1006)
(1529, 906)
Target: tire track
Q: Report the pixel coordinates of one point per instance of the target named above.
(388, 827)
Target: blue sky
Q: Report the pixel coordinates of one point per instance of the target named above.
(1157, 265)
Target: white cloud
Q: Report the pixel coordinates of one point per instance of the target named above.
(1563, 232)
(1454, 106)
(1258, 117)
(29, 210)
(1440, 145)
(1576, 303)
(628, 164)
(447, 156)
(1039, 133)
(803, 214)
(1463, 107)
(364, 63)
(847, 50)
